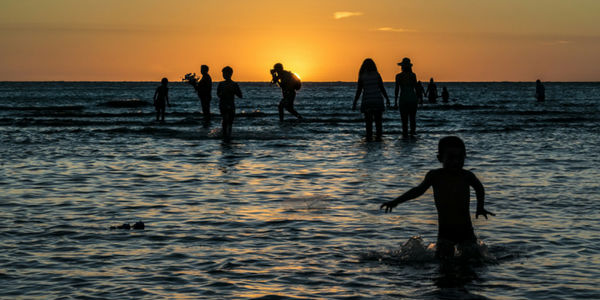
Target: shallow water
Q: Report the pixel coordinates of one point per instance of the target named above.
(291, 210)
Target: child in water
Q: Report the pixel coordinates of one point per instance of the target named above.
(226, 91)
(161, 99)
(451, 194)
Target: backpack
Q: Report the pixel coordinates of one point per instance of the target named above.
(295, 81)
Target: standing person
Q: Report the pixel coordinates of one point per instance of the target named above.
(445, 95)
(161, 99)
(204, 89)
(371, 105)
(431, 92)
(289, 84)
(451, 192)
(540, 91)
(406, 83)
(420, 92)
(226, 91)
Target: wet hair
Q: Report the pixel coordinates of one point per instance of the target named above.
(451, 142)
(203, 68)
(278, 66)
(227, 71)
(164, 80)
(368, 65)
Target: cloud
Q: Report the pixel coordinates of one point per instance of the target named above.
(346, 14)
(391, 29)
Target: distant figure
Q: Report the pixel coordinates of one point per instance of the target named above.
(226, 91)
(540, 91)
(204, 88)
(289, 84)
(161, 99)
(445, 95)
(371, 105)
(406, 83)
(431, 92)
(451, 193)
(420, 92)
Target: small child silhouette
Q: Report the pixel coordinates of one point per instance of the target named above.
(451, 193)
(161, 99)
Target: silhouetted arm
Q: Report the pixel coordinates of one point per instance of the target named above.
(155, 94)
(410, 194)
(383, 91)
(480, 194)
(359, 89)
(167, 98)
(396, 90)
(238, 91)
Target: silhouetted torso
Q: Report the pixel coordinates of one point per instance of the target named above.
(451, 192)
(372, 98)
(204, 87)
(161, 96)
(226, 91)
(432, 93)
(408, 88)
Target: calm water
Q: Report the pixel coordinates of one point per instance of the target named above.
(289, 211)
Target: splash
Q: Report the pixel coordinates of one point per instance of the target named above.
(416, 250)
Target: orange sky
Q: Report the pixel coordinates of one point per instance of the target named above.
(321, 40)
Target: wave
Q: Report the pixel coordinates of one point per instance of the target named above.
(129, 103)
(43, 108)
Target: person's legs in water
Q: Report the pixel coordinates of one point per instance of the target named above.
(369, 124)
(378, 116)
(413, 121)
(404, 117)
(280, 108)
(289, 97)
(205, 101)
(230, 121)
(162, 114)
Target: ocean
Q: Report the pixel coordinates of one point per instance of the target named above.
(290, 210)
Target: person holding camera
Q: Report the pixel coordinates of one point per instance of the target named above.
(289, 84)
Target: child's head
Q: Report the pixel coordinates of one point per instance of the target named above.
(203, 69)
(227, 72)
(164, 81)
(452, 152)
(278, 67)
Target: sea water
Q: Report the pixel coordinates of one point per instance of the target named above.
(290, 210)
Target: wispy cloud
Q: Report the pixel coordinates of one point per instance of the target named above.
(391, 29)
(346, 14)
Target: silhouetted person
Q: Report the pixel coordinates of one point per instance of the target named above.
(451, 192)
(540, 91)
(431, 92)
(289, 84)
(406, 83)
(420, 92)
(371, 105)
(204, 88)
(445, 95)
(161, 99)
(226, 91)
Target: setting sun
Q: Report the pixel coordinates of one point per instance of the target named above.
(322, 41)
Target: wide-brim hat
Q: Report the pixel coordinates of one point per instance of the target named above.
(405, 62)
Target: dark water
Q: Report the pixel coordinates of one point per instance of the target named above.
(289, 211)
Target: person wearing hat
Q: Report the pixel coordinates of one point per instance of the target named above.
(406, 84)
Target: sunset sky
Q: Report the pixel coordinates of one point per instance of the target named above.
(321, 40)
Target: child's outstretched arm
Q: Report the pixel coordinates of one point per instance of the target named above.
(480, 193)
(410, 194)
